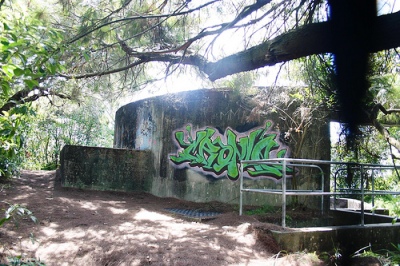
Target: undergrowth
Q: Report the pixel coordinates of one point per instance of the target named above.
(264, 209)
(14, 213)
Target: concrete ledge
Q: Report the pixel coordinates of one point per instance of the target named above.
(355, 205)
(347, 239)
(106, 169)
(343, 217)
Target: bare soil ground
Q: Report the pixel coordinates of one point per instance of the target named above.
(82, 227)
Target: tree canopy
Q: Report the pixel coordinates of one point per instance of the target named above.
(68, 49)
(93, 39)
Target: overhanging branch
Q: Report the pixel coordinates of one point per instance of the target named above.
(80, 36)
(26, 96)
(307, 40)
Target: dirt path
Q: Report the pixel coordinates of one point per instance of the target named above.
(79, 227)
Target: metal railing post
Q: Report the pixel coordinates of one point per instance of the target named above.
(322, 190)
(362, 194)
(241, 189)
(334, 189)
(284, 193)
(373, 191)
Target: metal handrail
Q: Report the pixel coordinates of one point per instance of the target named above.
(313, 163)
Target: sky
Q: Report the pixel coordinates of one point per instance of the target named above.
(228, 43)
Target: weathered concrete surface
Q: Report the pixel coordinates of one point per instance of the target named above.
(355, 205)
(352, 217)
(207, 132)
(151, 124)
(106, 169)
(345, 239)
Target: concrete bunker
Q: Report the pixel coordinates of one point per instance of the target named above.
(194, 142)
(197, 139)
(190, 145)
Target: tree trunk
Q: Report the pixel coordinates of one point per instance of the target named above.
(304, 41)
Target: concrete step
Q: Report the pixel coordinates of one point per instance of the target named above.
(354, 204)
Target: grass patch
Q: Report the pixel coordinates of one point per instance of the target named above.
(261, 210)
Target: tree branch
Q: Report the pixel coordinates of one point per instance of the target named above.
(23, 96)
(373, 114)
(304, 41)
(103, 73)
(307, 40)
(383, 131)
(140, 17)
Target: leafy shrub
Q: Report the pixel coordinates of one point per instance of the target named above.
(10, 142)
(15, 212)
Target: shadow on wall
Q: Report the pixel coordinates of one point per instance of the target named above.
(189, 145)
(106, 169)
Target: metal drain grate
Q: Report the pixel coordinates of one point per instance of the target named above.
(194, 213)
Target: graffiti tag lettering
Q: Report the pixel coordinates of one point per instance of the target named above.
(211, 152)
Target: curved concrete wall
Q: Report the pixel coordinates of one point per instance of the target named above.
(198, 137)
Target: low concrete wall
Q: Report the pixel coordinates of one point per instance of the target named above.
(353, 217)
(106, 169)
(188, 145)
(198, 138)
(346, 239)
(132, 170)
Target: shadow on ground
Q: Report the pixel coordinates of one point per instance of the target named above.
(81, 227)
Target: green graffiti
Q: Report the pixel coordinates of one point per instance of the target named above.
(208, 152)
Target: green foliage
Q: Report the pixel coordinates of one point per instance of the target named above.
(28, 48)
(240, 82)
(20, 261)
(49, 166)
(10, 143)
(32, 54)
(261, 210)
(385, 257)
(370, 147)
(51, 129)
(392, 203)
(11, 140)
(318, 73)
(394, 255)
(15, 212)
